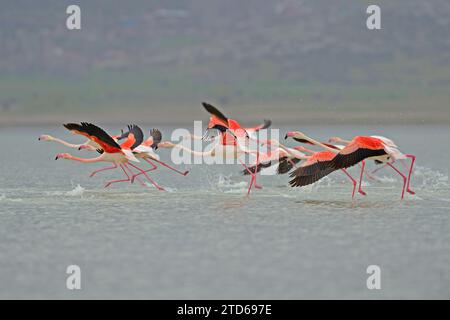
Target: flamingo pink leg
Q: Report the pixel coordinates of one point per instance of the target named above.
(252, 179)
(103, 169)
(404, 164)
(363, 165)
(402, 175)
(381, 167)
(257, 186)
(146, 175)
(133, 176)
(151, 169)
(413, 159)
(169, 167)
(116, 181)
(353, 181)
(369, 175)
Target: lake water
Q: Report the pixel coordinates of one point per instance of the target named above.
(204, 239)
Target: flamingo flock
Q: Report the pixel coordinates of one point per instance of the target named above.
(127, 150)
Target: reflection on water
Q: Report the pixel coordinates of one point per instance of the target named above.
(206, 239)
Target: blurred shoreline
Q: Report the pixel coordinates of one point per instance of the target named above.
(175, 117)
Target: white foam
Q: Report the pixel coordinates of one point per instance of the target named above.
(76, 192)
(4, 198)
(429, 178)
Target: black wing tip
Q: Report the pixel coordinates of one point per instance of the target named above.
(71, 126)
(155, 133)
(267, 123)
(284, 166)
(256, 168)
(214, 111)
(157, 137)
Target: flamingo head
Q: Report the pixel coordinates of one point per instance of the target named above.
(86, 147)
(63, 156)
(45, 137)
(295, 134)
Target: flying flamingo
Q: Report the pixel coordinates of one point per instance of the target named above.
(119, 155)
(402, 160)
(232, 133)
(310, 170)
(89, 145)
(219, 122)
(361, 148)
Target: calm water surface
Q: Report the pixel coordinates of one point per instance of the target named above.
(204, 239)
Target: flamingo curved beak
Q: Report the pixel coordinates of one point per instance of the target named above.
(289, 134)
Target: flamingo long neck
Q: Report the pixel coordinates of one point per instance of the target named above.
(87, 160)
(292, 152)
(195, 153)
(67, 144)
(344, 141)
(320, 144)
(308, 150)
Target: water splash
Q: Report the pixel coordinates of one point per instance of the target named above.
(227, 185)
(78, 191)
(429, 178)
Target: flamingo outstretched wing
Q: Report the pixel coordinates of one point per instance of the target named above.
(313, 169)
(304, 180)
(95, 134)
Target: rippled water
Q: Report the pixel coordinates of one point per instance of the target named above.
(204, 239)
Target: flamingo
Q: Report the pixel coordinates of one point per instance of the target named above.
(232, 133)
(402, 159)
(89, 145)
(119, 155)
(309, 170)
(218, 121)
(361, 148)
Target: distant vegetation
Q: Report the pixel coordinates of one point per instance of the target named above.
(281, 57)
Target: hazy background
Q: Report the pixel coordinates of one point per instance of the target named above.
(290, 60)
